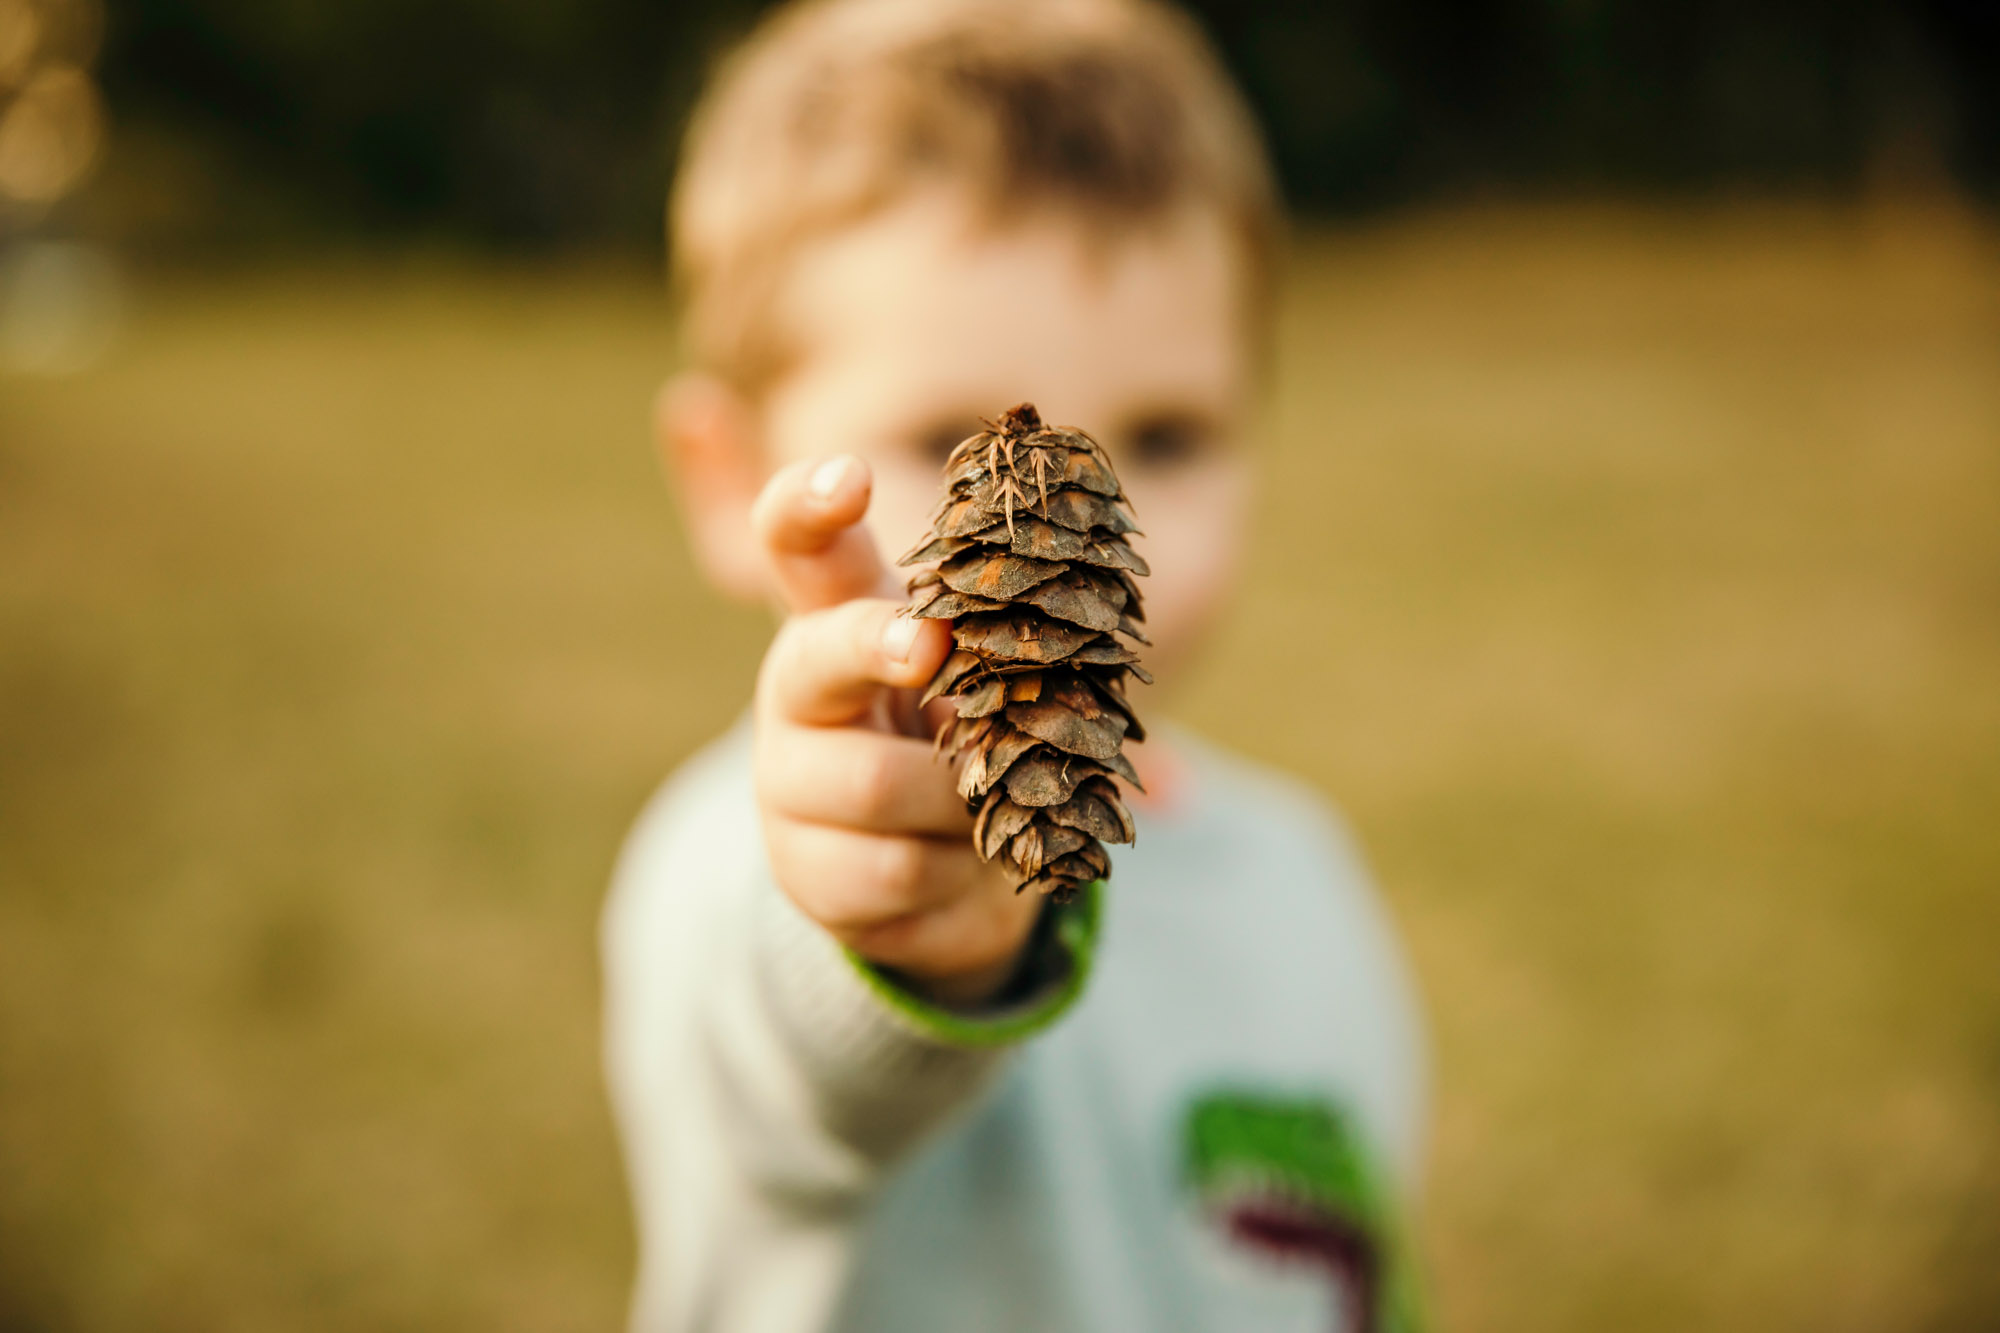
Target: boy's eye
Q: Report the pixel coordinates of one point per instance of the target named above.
(936, 441)
(1166, 442)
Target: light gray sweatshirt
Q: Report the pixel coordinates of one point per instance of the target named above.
(1204, 1113)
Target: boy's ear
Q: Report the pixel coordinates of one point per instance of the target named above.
(707, 437)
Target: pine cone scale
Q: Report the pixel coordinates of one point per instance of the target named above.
(1053, 721)
(1001, 575)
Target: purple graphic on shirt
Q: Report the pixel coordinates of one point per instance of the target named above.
(1287, 1179)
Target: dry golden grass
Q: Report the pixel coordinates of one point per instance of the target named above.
(1654, 567)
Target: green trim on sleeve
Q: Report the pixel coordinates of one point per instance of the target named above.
(1074, 935)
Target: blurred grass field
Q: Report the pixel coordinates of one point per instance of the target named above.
(1631, 578)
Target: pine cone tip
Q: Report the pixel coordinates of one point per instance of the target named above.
(1020, 419)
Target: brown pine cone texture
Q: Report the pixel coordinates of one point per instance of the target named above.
(1034, 570)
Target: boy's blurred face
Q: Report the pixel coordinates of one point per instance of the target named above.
(916, 323)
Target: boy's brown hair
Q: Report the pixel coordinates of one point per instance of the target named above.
(1114, 111)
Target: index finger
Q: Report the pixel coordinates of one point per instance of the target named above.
(808, 520)
(831, 667)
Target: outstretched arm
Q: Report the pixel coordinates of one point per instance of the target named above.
(783, 1028)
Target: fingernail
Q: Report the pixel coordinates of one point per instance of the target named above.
(900, 637)
(826, 478)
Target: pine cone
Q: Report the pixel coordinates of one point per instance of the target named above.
(1035, 572)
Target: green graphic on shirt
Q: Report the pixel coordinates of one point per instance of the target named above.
(1289, 1178)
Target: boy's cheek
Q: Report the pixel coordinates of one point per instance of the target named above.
(1195, 515)
(1194, 524)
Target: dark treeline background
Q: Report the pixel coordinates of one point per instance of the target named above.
(537, 123)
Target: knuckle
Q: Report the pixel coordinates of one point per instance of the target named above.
(796, 659)
(779, 848)
(771, 766)
(862, 620)
(844, 924)
(778, 657)
(769, 510)
(803, 878)
(901, 867)
(874, 783)
(845, 910)
(767, 780)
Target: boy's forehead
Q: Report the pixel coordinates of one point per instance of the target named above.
(949, 310)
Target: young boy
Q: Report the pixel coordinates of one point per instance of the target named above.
(862, 1084)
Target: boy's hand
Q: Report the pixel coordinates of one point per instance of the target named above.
(865, 830)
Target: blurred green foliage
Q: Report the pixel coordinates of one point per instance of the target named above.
(526, 122)
(1647, 565)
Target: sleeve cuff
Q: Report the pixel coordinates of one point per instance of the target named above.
(1053, 978)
